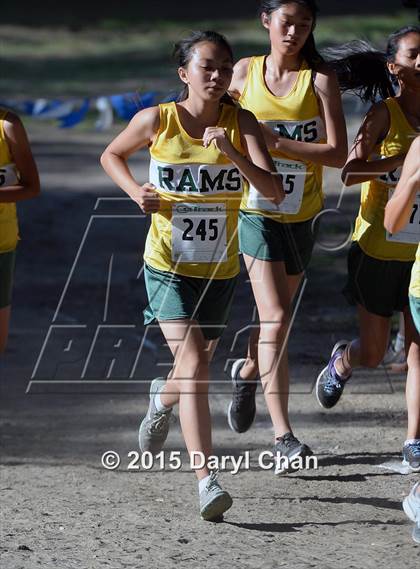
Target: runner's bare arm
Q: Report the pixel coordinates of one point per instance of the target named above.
(240, 71)
(333, 152)
(139, 133)
(400, 206)
(257, 166)
(374, 129)
(28, 184)
(263, 173)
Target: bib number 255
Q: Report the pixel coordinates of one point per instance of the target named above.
(8, 175)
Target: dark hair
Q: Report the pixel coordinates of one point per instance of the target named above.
(183, 53)
(362, 69)
(309, 51)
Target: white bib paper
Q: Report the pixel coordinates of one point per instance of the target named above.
(411, 232)
(193, 179)
(293, 175)
(391, 178)
(199, 233)
(8, 175)
(308, 130)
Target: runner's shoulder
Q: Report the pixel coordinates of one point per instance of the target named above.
(240, 69)
(377, 120)
(240, 72)
(148, 118)
(11, 119)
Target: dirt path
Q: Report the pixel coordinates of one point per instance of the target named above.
(61, 509)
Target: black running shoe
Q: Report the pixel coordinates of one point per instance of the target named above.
(411, 456)
(289, 448)
(329, 385)
(241, 410)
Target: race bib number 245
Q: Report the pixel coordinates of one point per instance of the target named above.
(199, 233)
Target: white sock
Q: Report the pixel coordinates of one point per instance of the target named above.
(399, 342)
(342, 375)
(158, 403)
(202, 483)
(411, 442)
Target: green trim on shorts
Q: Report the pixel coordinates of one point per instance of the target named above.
(415, 310)
(379, 286)
(268, 240)
(7, 269)
(177, 297)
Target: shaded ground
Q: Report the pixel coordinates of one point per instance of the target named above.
(61, 509)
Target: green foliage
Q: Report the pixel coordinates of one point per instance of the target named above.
(114, 57)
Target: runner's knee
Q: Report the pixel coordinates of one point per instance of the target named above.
(276, 327)
(413, 357)
(193, 370)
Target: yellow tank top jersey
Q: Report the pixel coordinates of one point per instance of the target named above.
(295, 116)
(369, 229)
(8, 218)
(195, 231)
(415, 276)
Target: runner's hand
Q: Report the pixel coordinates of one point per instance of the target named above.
(218, 136)
(148, 198)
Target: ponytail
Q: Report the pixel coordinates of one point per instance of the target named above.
(363, 70)
(311, 54)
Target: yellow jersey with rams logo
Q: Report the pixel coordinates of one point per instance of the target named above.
(415, 276)
(369, 227)
(8, 218)
(194, 233)
(295, 116)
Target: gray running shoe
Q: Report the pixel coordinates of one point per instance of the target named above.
(416, 532)
(394, 357)
(395, 360)
(213, 500)
(154, 428)
(286, 450)
(241, 410)
(411, 456)
(411, 505)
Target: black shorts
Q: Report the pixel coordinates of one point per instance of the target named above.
(379, 286)
(7, 267)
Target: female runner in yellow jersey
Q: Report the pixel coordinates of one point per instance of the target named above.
(297, 100)
(200, 148)
(399, 212)
(380, 263)
(18, 181)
